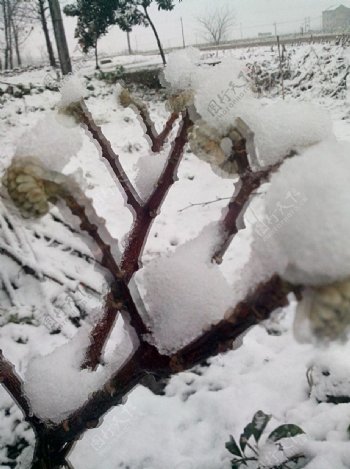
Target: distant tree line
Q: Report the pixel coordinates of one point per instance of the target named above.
(18, 18)
(95, 18)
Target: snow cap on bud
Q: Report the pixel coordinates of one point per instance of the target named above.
(307, 213)
(30, 187)
(181, 68)
(72, 91)
(179, 102)
(324, 312)
(52, 143)
(214, 148)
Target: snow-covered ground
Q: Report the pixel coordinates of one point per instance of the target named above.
(188, 427)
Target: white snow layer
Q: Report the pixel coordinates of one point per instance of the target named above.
(185, 293)
(148, 169)
(283, 127)
(50, 142)
(307, 214)
(181, 68)
(72, 90)
(223, 93)
(55, 384)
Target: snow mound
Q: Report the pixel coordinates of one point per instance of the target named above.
(50, 142)
(148, 170)
(283, 127)
(55, 384)
(181, 68)
(185, 293)
(222, 93)
(307, 214)
(329, 374)
(72, 90)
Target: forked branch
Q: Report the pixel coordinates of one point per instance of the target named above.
(144, 220)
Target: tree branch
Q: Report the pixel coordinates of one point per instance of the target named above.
(119, 299)
(144, 220)
(110, 156)
(119, 296)
(266, 298)
(249, 182)
(14, 386)
(157, 140)
(232, 222)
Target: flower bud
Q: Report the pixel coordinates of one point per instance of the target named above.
(216, 149)
(180, 102)
(125, 99)
(28, 187)
(327, 310)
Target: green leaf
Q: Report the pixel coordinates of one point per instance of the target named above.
(233, 448)
(235, 465)
(284, 431)
(255, 428)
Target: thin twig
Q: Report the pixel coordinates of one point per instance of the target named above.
(233, 219)
(111, 157)
(157, 140)
(161, 138)
(204, 204)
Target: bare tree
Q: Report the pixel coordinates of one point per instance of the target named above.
(217, 25)
(21, 26)
(6, 26)
(17, 26)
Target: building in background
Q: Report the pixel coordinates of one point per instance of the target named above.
(336, 20)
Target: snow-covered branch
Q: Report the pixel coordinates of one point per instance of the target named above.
(110, 156)
(157, 140)
(14, 386)
(145, 219)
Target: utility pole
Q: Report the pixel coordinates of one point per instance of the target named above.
(240, 27)
(183, 33)
(275, 25)
(60, 36)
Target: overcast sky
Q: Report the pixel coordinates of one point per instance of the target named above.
(252, 17)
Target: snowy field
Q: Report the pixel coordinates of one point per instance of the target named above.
(47, 270)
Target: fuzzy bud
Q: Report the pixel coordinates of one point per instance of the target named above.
(215, 149)
(180, 102)
(30, 190)
(125, 99)
(327, 310)
(72, 110)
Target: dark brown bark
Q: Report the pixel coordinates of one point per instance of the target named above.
(145, 218)
(60, 36)
(129, 43)
(108, 154)
(16, 40)
(257, 307)
(119, 299)
(45, 28)
(160, 47)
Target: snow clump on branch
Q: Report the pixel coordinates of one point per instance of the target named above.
(314, 232)
(176, 316)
